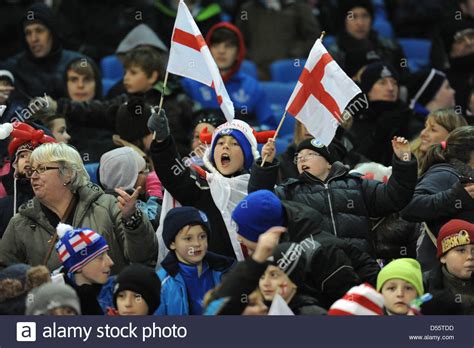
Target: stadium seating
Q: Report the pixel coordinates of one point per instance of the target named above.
(287, 70)
(417, 52)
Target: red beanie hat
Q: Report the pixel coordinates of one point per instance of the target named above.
(454, 233)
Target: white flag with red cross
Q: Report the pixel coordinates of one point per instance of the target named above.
(190, 57)
(321, 94)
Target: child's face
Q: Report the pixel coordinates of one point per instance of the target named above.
(23, 160)
(131, 303)
(5, 90)
(137, 81)
(459, 261)
(398, 294)
(313, 163)
(190, 244)
(196, 141)
(80, 87)
(225, 54)
(228, 155)
(275, 281)
(59, 130)
(96, 271)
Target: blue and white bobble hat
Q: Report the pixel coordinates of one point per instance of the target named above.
(244, 135)
(78, 247)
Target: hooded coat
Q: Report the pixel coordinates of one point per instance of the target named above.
(245, 91)
(439, 197)
(27, 235)
(37, 76)
(345, 200)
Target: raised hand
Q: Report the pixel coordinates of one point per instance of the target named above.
(126, 202)
(158, 123)
(267, 242)
(268, 150)
(401, 148)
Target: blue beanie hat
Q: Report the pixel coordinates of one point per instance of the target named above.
(78, 247)
(179, 217)
(243, 142)
(258, 212)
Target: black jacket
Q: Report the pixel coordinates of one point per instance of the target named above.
(439, 197)
(36, 76)
(190, 190)
(345, 201)
(333, 264)
(450, 295)
(101, 115)
(374, 128)
(352, 54)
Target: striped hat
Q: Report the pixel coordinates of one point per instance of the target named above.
(360, 300)
(77, 247)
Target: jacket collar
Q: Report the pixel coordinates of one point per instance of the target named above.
(216, 263)
(337, 170)
(88, 194)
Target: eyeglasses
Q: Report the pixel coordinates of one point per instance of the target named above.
(306, 157)
(30, 171)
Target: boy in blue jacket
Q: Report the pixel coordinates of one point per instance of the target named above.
(189, 270)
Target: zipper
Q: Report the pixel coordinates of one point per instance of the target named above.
(330, 209)
(326, 186)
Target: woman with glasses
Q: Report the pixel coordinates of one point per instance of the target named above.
(63, 193)
(345, 200)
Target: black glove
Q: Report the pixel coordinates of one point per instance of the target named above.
(158, 123)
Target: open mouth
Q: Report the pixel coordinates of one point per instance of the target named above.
(305, 167)
(225, 160)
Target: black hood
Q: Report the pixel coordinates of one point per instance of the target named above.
(41, 13)
(95, 69)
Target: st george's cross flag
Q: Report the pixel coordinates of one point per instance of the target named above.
(321, 94)
(190, 57)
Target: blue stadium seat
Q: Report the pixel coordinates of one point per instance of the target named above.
(91, 169)
(111, 68)
(107, 84)
(329, 40)
(417, 52)
(287, 70)
(383, 27)
(278, 95)
(250, 68)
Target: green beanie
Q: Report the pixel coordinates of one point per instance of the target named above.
(405, 269)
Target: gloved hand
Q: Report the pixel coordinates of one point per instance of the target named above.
(158, 123)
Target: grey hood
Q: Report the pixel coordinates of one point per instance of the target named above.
(140, 35)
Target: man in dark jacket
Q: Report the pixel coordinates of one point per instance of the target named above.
(385, 117)
(39, 69)
(346, 201)
(333, 265)
(357, 44)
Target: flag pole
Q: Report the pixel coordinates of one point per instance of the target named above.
(284, 115)
(160, 106)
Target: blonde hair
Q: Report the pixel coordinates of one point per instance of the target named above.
(449, 119)
(67, 157)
